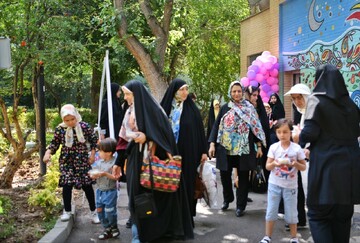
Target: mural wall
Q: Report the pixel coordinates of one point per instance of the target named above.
(315, 32)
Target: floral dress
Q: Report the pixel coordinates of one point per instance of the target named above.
(74, 161)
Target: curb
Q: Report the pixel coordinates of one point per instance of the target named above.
(61, 230)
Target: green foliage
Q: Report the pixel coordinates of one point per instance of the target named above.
(6, 224)
(213, 54)
(88, 116)
(47, 197)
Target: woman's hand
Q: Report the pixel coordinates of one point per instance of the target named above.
(141, 138)
(259, 152)
(203, 158)
(116, 171)
(212, 150)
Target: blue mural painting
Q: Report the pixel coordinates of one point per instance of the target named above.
(314, 32)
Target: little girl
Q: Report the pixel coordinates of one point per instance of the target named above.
(74, 161)
(285, 158)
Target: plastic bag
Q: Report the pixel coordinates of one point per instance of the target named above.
(209, 179)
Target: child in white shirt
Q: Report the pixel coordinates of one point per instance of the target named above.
(285, 158)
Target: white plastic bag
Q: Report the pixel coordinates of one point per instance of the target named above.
(209, 179)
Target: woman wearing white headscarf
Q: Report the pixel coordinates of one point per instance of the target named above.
(299, 95)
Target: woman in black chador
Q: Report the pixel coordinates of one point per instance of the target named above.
(332, 128)
(146, 121)
(188, 130)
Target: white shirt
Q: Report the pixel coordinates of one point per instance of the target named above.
(284, 176)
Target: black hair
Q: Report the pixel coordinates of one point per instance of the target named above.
(107, 145)
(284, 121)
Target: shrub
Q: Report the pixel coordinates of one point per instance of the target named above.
(6, 226)
(47, 197)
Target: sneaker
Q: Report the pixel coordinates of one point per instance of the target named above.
(294, 240)
(65, 216)
(266, 239)
(105, 235)
(94, 217)
(281, 216)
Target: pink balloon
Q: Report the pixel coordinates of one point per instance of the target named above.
(254, 83)
(263, 93)
(270, 81)
(276, 81)
(272, 59)
(263, 70)
(265, 99)
(275, 88)
(245, 81)
(259, 77)
(258, 63)
(251, 74)
(274, 73)
(266, 75)
(268, 65)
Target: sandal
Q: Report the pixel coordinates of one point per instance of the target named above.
(105, 235)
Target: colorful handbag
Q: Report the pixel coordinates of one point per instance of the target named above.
(163, 174)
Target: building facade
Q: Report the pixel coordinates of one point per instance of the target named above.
(305, 34)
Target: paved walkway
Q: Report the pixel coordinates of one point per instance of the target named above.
(211, 225)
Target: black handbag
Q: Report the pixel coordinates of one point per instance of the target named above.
(145, 205)
(258, 181)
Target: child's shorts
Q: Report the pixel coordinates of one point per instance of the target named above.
(275, 193)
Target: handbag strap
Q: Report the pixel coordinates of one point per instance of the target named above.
(150, 168)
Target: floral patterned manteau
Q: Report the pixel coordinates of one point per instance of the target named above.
(74, 161)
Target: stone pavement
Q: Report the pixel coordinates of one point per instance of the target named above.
(211, 225)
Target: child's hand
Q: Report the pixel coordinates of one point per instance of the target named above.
(92, 158)
(47, 157)
(277, 164)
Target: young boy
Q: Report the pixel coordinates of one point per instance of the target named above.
(285, 158)
(106, 193)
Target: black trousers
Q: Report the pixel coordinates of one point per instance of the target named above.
(89, 193)
(300, 202)
(243, 181)
(330, 223)
(226, 182)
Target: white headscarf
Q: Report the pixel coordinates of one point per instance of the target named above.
(69, 109)
(305, 91)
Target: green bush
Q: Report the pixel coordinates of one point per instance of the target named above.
(47, 197)
(6, 226)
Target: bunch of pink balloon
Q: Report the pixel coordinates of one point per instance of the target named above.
(264, 71)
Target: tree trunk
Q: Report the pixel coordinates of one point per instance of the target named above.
(152, 70)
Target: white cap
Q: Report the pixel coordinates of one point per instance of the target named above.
(299, 89)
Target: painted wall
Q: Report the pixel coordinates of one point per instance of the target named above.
(315, 32)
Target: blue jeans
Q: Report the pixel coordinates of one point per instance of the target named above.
(275, 193)
(106, 201)
(135, 234)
